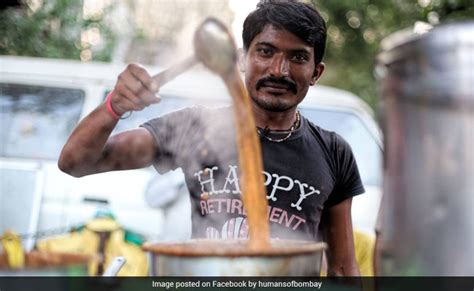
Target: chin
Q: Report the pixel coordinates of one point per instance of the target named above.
(274, 103)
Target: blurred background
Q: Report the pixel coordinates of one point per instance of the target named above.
(60, 58)
(157, 32)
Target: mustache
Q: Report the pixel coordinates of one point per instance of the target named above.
(282, 81)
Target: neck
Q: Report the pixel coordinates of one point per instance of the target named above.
(274, 120)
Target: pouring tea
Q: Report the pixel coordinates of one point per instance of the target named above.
(308, 172)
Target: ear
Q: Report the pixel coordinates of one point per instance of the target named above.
(241, 59)
(318, 72)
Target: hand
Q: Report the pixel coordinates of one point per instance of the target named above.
(134, 90)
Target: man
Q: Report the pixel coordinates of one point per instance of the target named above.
(306, 169)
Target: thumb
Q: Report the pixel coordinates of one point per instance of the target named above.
(156, 99)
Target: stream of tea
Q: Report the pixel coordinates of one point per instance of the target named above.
(251, 165)
(216, 49)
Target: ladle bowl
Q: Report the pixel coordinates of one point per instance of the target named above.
(214, 46)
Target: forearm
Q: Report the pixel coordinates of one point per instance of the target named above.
(337, 232)
(343, 269)
(90, 149)
(86, 146)
(341, 258)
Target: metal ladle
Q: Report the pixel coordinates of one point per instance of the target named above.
(213, 46)
(216, 49)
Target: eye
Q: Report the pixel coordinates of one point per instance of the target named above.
(266, 52)
(300, 58)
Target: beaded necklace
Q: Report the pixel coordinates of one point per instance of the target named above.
(263, 132)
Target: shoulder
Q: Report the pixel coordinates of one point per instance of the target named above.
(331, 140)
(189, 114)
(189, 111)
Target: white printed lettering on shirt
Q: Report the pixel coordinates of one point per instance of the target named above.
(232, 178)
(210, 181)
(303, 195)
(276, 186)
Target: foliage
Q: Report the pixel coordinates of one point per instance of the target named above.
(356, 27)
(52, 29)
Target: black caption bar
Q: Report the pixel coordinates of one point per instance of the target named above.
(236, 283)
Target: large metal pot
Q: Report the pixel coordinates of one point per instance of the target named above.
(48, 264)
(427, 221)
(233, 258)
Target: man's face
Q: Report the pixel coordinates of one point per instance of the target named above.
(279, 68)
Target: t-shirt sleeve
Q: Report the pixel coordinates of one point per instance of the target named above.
(348, 181)
(171, 133)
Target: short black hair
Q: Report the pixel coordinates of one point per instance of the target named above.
(299, 18)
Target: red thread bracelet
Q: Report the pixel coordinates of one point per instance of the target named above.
(108, 105)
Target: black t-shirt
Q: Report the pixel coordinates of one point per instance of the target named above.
(311, 170)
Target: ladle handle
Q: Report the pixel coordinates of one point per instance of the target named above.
(172, 72)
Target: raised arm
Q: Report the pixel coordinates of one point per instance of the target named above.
(90, 149)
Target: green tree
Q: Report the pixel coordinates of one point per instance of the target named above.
(53, 30)
(356, 27)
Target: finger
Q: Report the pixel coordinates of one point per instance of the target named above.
(132, 88)
(121, 104)
(145, 96)
(130, 105)
(133, 98)
(149, 97)
(130, 81)
(156, 99)
(147, 81)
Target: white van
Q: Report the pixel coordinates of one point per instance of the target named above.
(42, 100)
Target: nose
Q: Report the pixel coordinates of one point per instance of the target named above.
(279, 66)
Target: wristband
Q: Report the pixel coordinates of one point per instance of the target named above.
(108, 105)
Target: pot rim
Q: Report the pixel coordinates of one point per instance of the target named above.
(226, 248)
